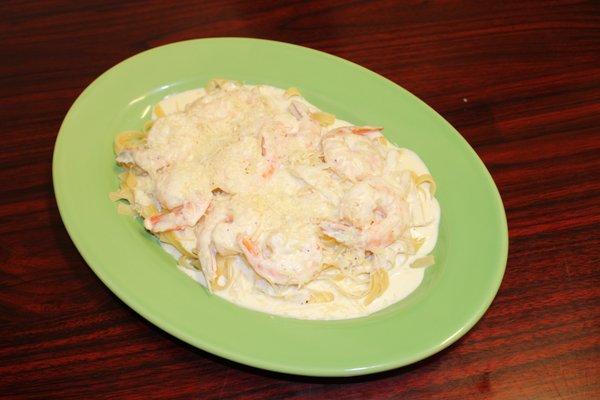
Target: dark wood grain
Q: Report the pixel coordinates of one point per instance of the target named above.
(521, 82)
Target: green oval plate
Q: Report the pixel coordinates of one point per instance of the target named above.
(471, 251)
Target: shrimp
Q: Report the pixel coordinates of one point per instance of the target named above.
(177, 218)
(351, 152)
(239, 167)
(284, 143)
(372, 216)
(281, 258)
(184, 192)
(217, 233)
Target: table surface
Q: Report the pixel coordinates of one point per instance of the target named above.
(519, 80)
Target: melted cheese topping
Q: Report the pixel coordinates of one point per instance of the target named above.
(277, 206)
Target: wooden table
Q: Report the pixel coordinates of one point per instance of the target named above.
(520, 81)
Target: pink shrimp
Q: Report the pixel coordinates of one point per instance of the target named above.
(261, 265)
(283, 260)
(178, 217)
(373, 215)
(351, 153)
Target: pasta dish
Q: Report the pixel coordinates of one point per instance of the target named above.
(278, 206)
